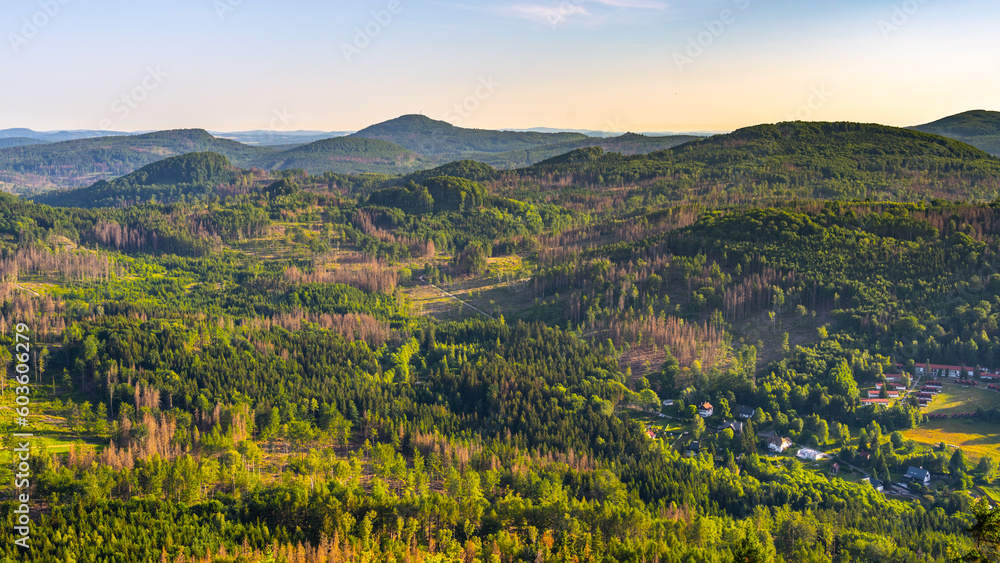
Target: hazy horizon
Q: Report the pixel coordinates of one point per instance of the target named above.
(349, 132)
(601, 65)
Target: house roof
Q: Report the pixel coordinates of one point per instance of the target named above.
(705, 406)
(779, 441)
(945, 366)
(917, 473)
(936, 366)
(736, 426)
(743, 411)
(872, 394)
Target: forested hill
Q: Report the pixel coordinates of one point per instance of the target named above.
(70, 164)
(627, 144)
(18, 142)
(398, 146)
(760, 163)
(979, 128)
(806, 159)
(431, 137)
(345, 155)
(380, 368)
(171, 179)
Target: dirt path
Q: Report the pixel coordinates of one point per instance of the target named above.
(474, 308)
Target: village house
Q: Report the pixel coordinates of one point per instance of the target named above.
(693, 449)
(777, 444)
(873, 394)
(869, 402)
(736, 427)
(744, 412)
(943, 370)
(917, 475)
(810, 454)
(705, 409)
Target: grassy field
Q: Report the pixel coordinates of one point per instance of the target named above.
(50, 432)
(976, 438)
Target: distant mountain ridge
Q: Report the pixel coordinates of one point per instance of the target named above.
(170, 179)
(431, 137)
(412, 142)
(271, 138)
(397, 146)
(829, 160)
(979, 128)
(73, 163)
(56, 136)
(6, 142)
(347, 155)
(802, 159)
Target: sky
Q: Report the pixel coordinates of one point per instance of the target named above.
(610, 65)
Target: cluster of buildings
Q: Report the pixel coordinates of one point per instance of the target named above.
(913, 475)
(950, 371)
(941, 370)
(742, 412)
(892, 390)
(962, 375)
(926, 393)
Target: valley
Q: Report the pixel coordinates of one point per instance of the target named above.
(394, 348)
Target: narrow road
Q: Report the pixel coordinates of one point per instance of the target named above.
(19, 286)
(474, 308)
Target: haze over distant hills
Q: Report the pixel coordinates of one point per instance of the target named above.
(81, 162)
(837, 160)
(195, 174)
(428, 136)
(503, 149)
(269, 137)
(32, 162)
(405, 144)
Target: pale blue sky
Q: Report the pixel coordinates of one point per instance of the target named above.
(638, 65)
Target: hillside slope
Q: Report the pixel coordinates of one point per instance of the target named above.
(979, 128)
(6, 142)
(804, 159)
(431, 137)
(627, 144)
(345, 155)
(172, 179)
(79, 162)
